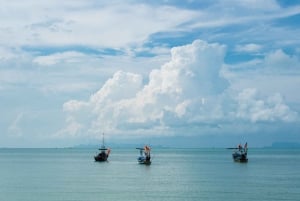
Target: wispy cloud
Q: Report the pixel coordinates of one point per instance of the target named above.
(243, 13)
(82, 23)
(250, 48)
(15, 129)
(64, 57)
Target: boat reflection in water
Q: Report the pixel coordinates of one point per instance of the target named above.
(145, 157)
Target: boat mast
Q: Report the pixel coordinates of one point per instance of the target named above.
(102, 139)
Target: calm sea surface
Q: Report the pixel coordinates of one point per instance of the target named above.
(175, 174)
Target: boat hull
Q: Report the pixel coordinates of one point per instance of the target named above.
(240, 157)
(144, 161)
(101, 157)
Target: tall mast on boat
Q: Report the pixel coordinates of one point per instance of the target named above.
(103, 140)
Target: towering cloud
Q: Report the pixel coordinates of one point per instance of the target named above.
(187, 92)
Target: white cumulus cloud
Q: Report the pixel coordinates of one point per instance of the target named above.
(254, 108)
(188, 92)
(280, 61)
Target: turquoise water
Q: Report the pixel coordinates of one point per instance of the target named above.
(175, 174)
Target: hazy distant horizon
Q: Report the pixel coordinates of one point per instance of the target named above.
(163, 143)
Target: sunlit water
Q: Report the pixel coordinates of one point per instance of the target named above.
(175, 174)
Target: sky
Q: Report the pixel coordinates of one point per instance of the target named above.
(171, 73)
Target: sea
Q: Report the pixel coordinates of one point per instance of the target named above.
(67, 174)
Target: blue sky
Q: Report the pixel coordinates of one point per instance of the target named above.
(177, 73)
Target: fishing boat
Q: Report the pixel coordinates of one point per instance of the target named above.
(240, 153)
(104, 152)
(144, 157)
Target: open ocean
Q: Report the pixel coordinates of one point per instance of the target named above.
(175, 174)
